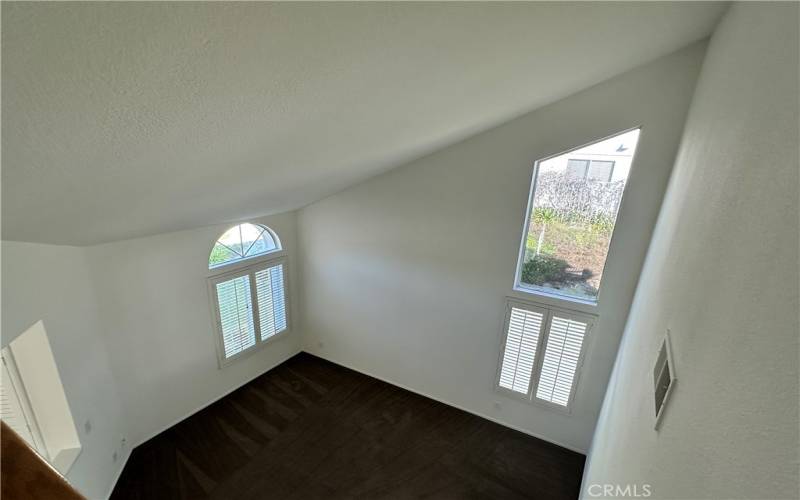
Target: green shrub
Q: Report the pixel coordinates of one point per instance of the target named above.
(545, 215)
(543, 269)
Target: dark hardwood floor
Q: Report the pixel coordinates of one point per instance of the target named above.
(312, 429)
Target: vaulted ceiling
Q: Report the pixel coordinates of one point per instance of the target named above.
(128, 119)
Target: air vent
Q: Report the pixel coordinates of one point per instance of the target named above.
(663, 378)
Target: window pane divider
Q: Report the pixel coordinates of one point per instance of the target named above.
(548, 312)
(251, 275)
(263, 263)
(542, 343)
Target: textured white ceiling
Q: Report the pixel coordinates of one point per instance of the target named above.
(128, 119)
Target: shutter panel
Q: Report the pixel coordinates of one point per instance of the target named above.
(561, 356)
(11, 410)
(271, 301)
(519, 352)
(236, 315)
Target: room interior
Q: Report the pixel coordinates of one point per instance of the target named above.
(402, 250)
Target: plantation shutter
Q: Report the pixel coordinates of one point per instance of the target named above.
(561, 357)
(11, 410)
(519, 351)
(271, 301)
(236, 315)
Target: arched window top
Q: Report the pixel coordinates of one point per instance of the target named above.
(243, 242)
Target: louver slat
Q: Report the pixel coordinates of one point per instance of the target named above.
(236, 315)
(519, 353)
(11, 411)
(271, 301)
(561, 357)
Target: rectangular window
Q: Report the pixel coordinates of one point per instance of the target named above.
(576, 169)
(600, 171)
(249, 307)
(574, 200)
(541, 353)
(592, 170)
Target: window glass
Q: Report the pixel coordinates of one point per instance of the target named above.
(573, 213)
(242, 242)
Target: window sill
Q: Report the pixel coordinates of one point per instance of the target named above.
(224, 362)
(65, 458)
(555, 299)
(534, 401)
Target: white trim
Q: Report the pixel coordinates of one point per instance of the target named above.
(226, 266)
(212, 401)
(22, 395)
(548, 312)
(175, 422)
(122, 463)
(553, 301)
(152, 435)
(244, 263)
(458, 407)
(269, 261)
(539, 291)
(552, 293)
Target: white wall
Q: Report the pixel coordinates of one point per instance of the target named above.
(51, 283)
(155, 309)
(722, 275)
(404, 276)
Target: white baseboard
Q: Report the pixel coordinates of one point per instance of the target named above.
(401, 386)
(189, 414)
(440, 400)
(122, 464)
(192, 412)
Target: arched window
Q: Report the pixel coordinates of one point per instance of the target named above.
(243, 242)
(249, 301)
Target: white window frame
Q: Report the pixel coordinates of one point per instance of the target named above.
(247, 268)
(245, 261)
(32, 370)
(547, 311)
(528, 290)
(14, 383)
